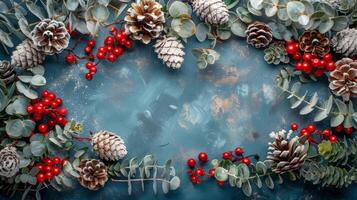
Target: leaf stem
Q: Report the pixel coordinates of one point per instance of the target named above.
(140, 179)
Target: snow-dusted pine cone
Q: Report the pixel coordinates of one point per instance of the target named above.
(284, 153)
(108, 146)
(259, 34)
(170, 51)
(50, 36)
(9, 162)
(214, 12)
(314, 42)
(7, 72)
(345, 42)
(26, 55)
(145, 20)
(92, 174)
(343, 80)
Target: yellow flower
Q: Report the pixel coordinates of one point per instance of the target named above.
(325, 147)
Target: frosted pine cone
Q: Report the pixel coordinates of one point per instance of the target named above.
(259, 34)
(92, 174)
(214, 12)
(285, 154)
(7, 72)
(314, 42)
(26, 55)
(145, 20)
(108, 146)
(50, 36)
(345, 42)
(9, 162)
(170, 51)
(343, 80)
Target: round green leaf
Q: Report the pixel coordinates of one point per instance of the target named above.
(175, 183)
(187, 28)
(18, 128)
(37, 148)
(99, 12)
(238, 28)
(221, 174)
(201, 33)
(38, 80)
(326, 25)
(295, 9)
(178, 9)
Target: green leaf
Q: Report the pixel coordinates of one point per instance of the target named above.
(38, 80)
(247, 188)
(201, 33)
(340, 23)
(69, 169)
(269, 182)
(261, 168)
(187, 28)
(18, 128)
(244, 15)
(5, 39)
(31, 94)
(175, 183)
(326, 25)
(178, 9)
(221, 174)
(37, 148)
(34, 9)
(336, 120)
(18, 107)
(25, 79)
(294, 10)
(239, 29)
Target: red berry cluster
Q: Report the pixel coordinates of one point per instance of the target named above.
(196, 174)
(310, 130)
(47, 112)
(310, 63)
(341, 129)
(113, 47)
(48, 168)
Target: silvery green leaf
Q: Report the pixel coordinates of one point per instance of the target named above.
(283, 14)
(25, 79)
(327, 9)
(294, 10)
(201, 32)
(119, 10)
(336, 120)
(18, 128)
(224, 34)
(38, 70)
(233, 4)
(20, 12)
(261, 168)
(259, 181)
(342, 107)
(175, 183)
(24, 26)
(31, 94)
(326, 25)
(18, 107)
(5, 39)
(71, 5)
(93, 27)
(271, 8)
(35, 9)
(348, 122)
(253, 10)
(104, 2)
(50, 8)
(340, 23)
(238, 28)
(256, 4)
(298, 102)
(24, 163)
(37, 148)
(221, 174)
(269, 182)
(244, 15)
(187, 28)
(247, 188)
(99, 12)
(3, 7)
(303, 20)
(38, 80)
(178, 9)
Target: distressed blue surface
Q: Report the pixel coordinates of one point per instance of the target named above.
(176, 114)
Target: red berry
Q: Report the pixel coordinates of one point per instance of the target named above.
(40, 178)
(191, 162)
(349, 131)
(246, 161)
(56, 160)
(91, 43)
(226, 156)
(47, 168)
(298, 66)
(101, 55)
(327, 57)
(291, 41)
(296, 45)
(307, 57)
(322, 64)
(51, 96)
(203, 157)
(34, 101)
(48, 161)
(49, 175)
(89, 76)
(123, 33)
(291, 49)
(63, 163)
(306, 67)
(297, 56)
(102, 49)
(87, 50)
(59, 101)
(326, 133)
(220, 183)
(46, 101)
(64, 123)
(56, 171)
(211, 172)
(311, 128)
(42, 128)
(315, 62)
(333, 138)
(199, 172)
(40, 167)
(70, 58)
(128, 44)
(123, 41)
(294, 126)
(59, 120)
(339, 128)
(318, 73)
(45, 93)
(30, 109)
(113, 30)
(305, 132)
(37, 117)
(330, 66)
(54, 105)
(109, 48)
(38, 109)
(118, 51)
(93, 70)
(51, 123)
(62, 111)
(119, 36)
(111, 57)
(89, 65)
(238, 151)
(109, 41)
(193, 179)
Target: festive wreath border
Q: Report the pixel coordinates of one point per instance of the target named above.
(39, 148)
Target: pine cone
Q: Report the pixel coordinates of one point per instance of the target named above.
(9, 162)
(26, 55)
(108, 146)
(50, 36)
(345, 42)
(314, 42)
(276, 54)
(214, 12)
(170, 51)
(7, 72)
(259, 34)
(285, 154)
(145, 20)
(343, 80)
(92, 174)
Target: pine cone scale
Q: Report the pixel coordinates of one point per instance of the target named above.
(92, 174)
(170, 51)
(108, 146)
(314, 42)
(9, 162)
(214, 12)
(7, 72)
(259, 34)
(345, 42)
(26, 55)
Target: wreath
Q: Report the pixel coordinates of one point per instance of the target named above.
(313, 41)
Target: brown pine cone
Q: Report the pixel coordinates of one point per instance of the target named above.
(92, 174)
(314, 42)
(259, 34)
(27, 55)
(145, 20)
(7, 72)
(343, 80)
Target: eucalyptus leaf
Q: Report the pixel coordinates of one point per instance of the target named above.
(17, 128)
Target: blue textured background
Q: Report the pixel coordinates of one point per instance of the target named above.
(176, 114)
